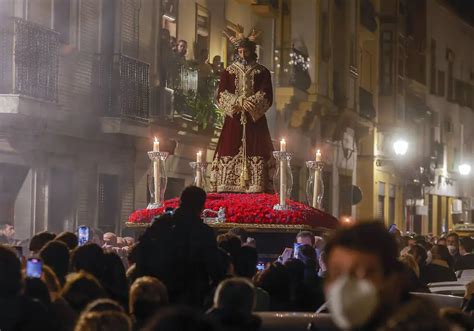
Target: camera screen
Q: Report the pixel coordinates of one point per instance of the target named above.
(34, 268)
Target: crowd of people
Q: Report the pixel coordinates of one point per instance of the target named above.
(180, 276)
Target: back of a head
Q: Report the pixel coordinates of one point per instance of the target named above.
(440, 252)
(236, 295)
(81, 289)
(147, 295)
(69, 238)
(52, 282)
(419, 253)
(193, 198)
(307, 235)
(103, 305)
(467, 243)
(367, 237)
(180, 318)
(230, 243)
(104, 321)
(39, 240)
(55, 254)
(89, 258)
(307, 254)
(10, 273)
(36, 288)
(241, 233)
(246, 262)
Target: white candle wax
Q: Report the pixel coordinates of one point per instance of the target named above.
(156, 172)
(282, 145)
(156, 145)
(198, 169)
(283, 174)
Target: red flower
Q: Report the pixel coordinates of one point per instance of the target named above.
(249, 208)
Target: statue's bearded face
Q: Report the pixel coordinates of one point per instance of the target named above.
(244, 54)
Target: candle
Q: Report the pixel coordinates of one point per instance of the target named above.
(318, 156)
(156, 172)
(198, 169)
(282, 174)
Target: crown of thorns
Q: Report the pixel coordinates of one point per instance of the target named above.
(240, 39)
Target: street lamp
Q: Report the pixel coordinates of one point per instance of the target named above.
(400, 147)
(464, 169)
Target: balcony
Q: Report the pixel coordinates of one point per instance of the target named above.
(122, 85)
(29, 55)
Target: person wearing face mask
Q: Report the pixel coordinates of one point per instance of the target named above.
(439, 270)
(452, 240)
(466, 249)
(365, 285)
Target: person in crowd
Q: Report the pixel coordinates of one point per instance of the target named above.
(51, 280)
(130, 241)
(104, 321)
(457, 319)
(364, 286)
(420, 255)
(230, 243)
(7, 234)
(181, 251)
(312, 284)
(55, 254)
(234, 301)
(89, 258)
(246, 267)
(181, 50)
(82, 288)
(36, 289)
(114, 279)
(275, 280)
(110, 239)
(411, 274)
(217, 65)
(305, 238)
(147, 296)
(17, 311)
(240, 233)
(439, 269)
(452, 241)
(442, 241)
(466, 259)
(103, 305)
(180, 318)
(39, 240)
(226, 263)
(69, 238)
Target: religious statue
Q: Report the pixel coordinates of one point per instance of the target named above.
(243, 159)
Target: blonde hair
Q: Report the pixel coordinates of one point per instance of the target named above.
(51, 280)
(104, 321)
(148, 289)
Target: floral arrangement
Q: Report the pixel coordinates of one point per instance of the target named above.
(249, 209)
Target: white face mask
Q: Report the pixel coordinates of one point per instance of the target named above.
(351, 301)
(429, 257)
(452, 249)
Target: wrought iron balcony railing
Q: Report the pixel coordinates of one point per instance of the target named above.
(29, 59)
(122, 85)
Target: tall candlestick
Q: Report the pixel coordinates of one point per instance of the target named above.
(282, 174)
(156, 172)
(198, 169)
(316, 180)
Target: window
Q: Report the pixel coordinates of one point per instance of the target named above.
(60, 200)
(391, 204)
(324, 28)
(450, 58)
(345, 195)
(441, 83)
(433, 67)
(109, 202)
(386, 72)
(107, 33)
(203, 31)
(430, 214)
(62, 16)
(381, 201)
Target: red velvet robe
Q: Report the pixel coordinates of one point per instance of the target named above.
(250, 86)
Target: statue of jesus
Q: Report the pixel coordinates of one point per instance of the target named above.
(243, 158)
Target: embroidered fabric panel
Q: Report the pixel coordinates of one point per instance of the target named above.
(226, 102)
(257, 105)
(226, 171)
